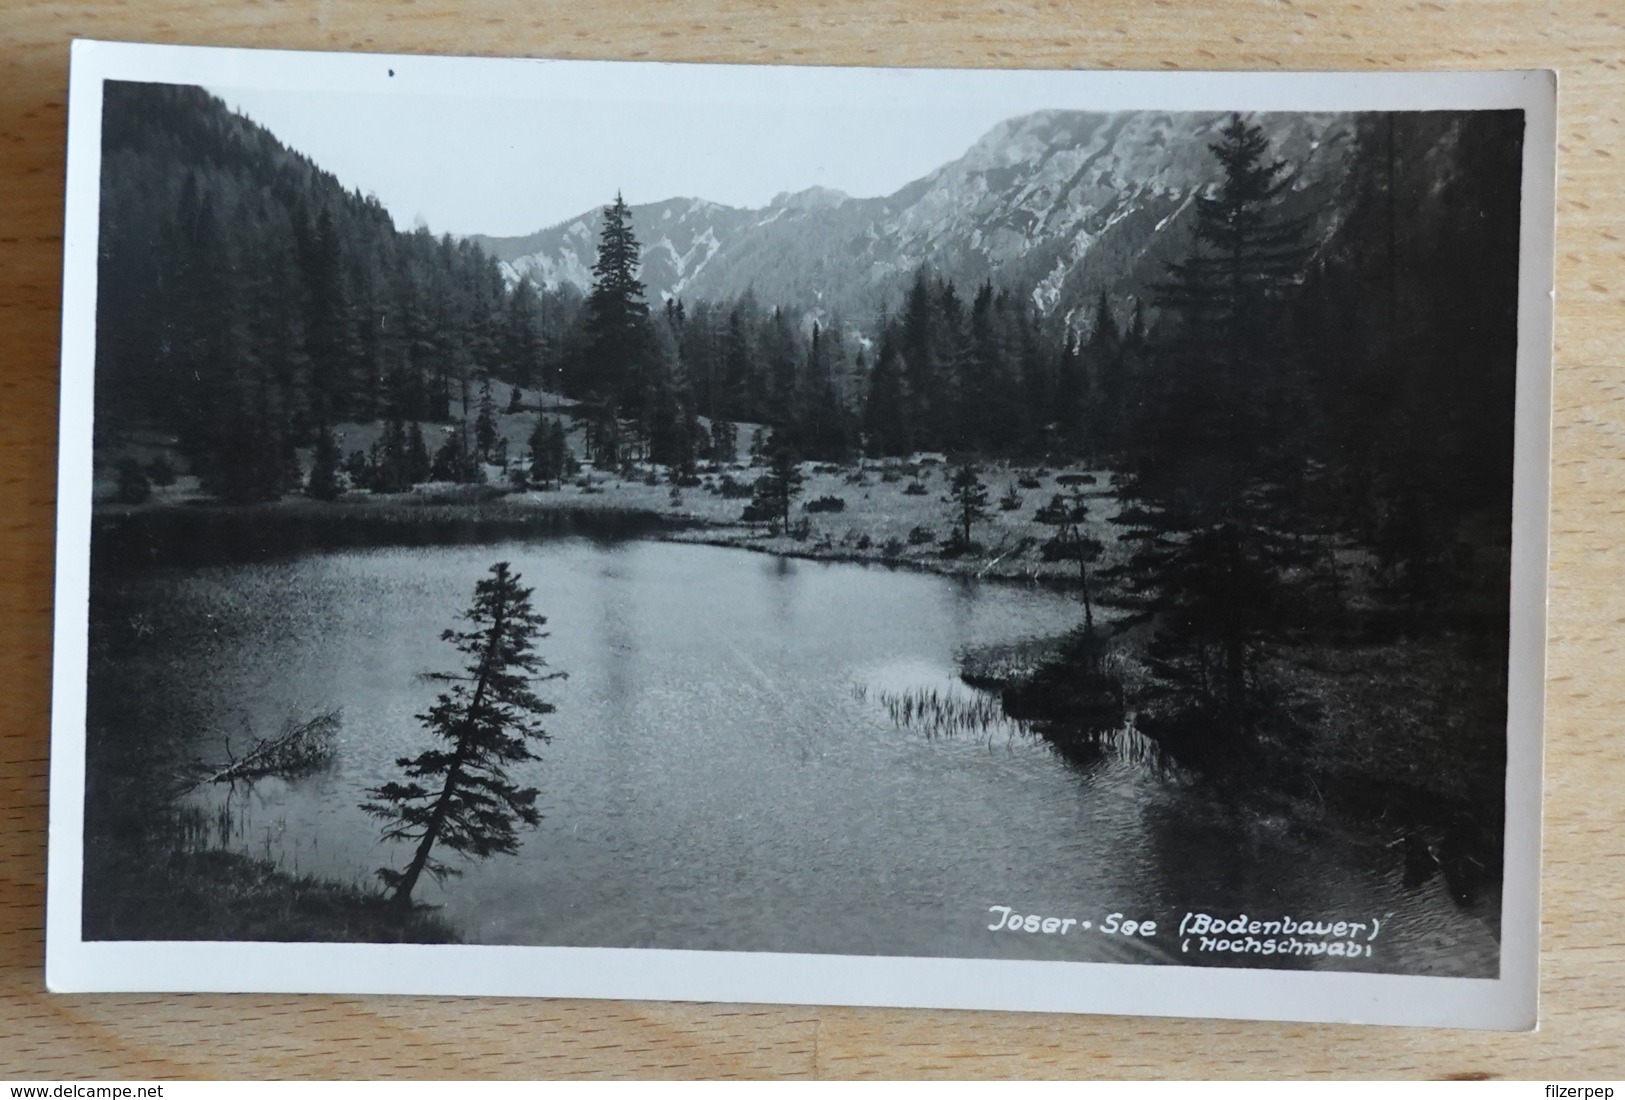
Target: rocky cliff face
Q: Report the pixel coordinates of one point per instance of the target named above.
(1055, 205)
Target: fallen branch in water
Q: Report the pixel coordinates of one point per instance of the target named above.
(298, 748)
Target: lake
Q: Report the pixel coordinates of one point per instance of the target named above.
(723, 772)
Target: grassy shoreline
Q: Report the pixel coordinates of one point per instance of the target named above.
(173, 892)
(893, 514)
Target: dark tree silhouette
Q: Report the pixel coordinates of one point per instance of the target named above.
(485, 424)
(550, 457)
(970, 500)
(724, 441)
(323, 483)
(1066, 513)
(617, 319)
(777, 489)
(1210, 549)
(458, 795)
(133, 484)
(416, 464)
(456, 460)
(1223, 354)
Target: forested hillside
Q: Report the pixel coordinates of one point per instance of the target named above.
(246, 299)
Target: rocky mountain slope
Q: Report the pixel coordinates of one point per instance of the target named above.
(1056, 205)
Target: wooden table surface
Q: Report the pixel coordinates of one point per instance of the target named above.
(1582, 1031)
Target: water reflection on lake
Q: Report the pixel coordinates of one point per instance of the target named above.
(724, 773)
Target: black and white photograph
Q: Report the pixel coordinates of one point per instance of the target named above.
(819, 519)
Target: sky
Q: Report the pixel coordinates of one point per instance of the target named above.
(466, 164)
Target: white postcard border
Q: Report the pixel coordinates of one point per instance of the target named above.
(1509, 1002)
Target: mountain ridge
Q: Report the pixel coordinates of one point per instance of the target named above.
(1056, 205)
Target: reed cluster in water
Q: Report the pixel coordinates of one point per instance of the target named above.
(937, 712)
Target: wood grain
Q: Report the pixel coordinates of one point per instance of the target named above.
(1583, 949)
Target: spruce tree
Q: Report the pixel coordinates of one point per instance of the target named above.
(970, 501)
(1066, 513)
(1208, 545)
(455, 460)
(457, 794)
(1222, 354)
(1101, 363)
(324, 468)
(485, 424)
(741, 383)
(564, 459)
(604, 442)
(824, 427)
(523, 350)
(333, 336)
(541, 465)
(417, 465)
(778, 487)
(778, 350)
(887, 427)
(922, 346)
(724, 442)
(617, 316)
(550, 457)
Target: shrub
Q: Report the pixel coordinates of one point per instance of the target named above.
(914, 489)
(133, 486)
(920, 535)
(733, 489)
(359, 469)
(825, 504)
(892, 548)
(1029, 482)
(160, 472)
(1010, 501)
(955, 546)
(864, 542)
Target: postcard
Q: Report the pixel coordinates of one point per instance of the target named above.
(1050, 541)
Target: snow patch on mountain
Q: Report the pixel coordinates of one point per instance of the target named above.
(550, 271)
(1165, 222)
(687, 266)
(1048, 290)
